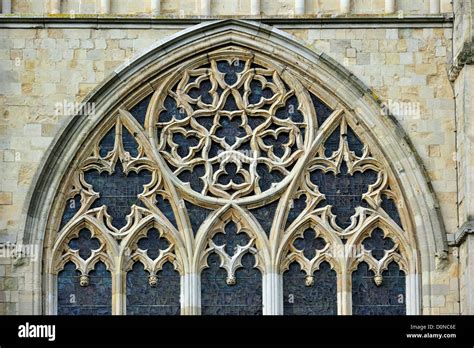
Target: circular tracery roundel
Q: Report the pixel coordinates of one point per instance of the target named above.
(232, 128)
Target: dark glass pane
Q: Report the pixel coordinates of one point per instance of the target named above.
(309, 243)
(153, 243)
(94, 299)
(129, 143)
(197, 215)
(230, 129)
(230, 175)
(258, 92)
(265, 215)
(72, 207)
(118, 191)
(230, 103)
(290, 111)
(172, 111)
(230, 70)
(299, 204)
(231, 239)
(107, 143)
(243, 298)
(377, 244)
(139, 110)
(332, 142)
(322, 110)
(185, 143)
(386, 299)
(162, 299)
(344, 191)
(391, 209)
(202, 92)
(267, 177)
(84, 243)
(318, 299)
(354, 142)
(165, 207)
(193, 177)
(279, 144)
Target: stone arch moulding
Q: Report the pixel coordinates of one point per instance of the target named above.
(335, 84)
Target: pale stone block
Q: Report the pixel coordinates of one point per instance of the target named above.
(363, 58)
(434, 150)
(9, 155)
(6, 198)
(32, 130)
(406, 58)
(351, 53)
(391, 34)
(440, 52)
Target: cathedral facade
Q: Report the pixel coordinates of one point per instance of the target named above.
(250, 157)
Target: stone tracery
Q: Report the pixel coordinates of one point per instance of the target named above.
(234, 132)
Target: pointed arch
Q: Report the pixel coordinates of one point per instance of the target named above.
(334, 84)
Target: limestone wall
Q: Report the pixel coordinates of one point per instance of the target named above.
(43, 72)
(227, 7)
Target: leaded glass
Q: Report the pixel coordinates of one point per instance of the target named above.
(322, 110)
(318, 299)
(265, 215)
(94, 299)
(243, 298)
(139, 110)
(309, 243)
(243, 143)
(107, 143)
(296, 208)
(378, 244)
(165, 207)
(72, 207)
(153, 243)
(344, 191)
(391, 209)
(84, 243)
(144, 299)
(386, 299)
(197, 215)
(118, 192)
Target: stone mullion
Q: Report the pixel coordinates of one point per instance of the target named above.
(190, 294)
(272, 296)
(119, 289)
(344, 290)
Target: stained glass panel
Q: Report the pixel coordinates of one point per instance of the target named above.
(118, 191)
(72, 207)
(85, 243)
(265, 215)
(378, 244)
(197, 215)
(243, 298)
(139, 110)
(386, 299)
(391, 209)
(94, 299)
(162, 299)
(322, 110)
(344, 191)
(319, 299)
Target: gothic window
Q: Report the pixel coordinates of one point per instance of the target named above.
(153, 284)
(84, 283)
(234, 185)
(231, 284)
(309, 283)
